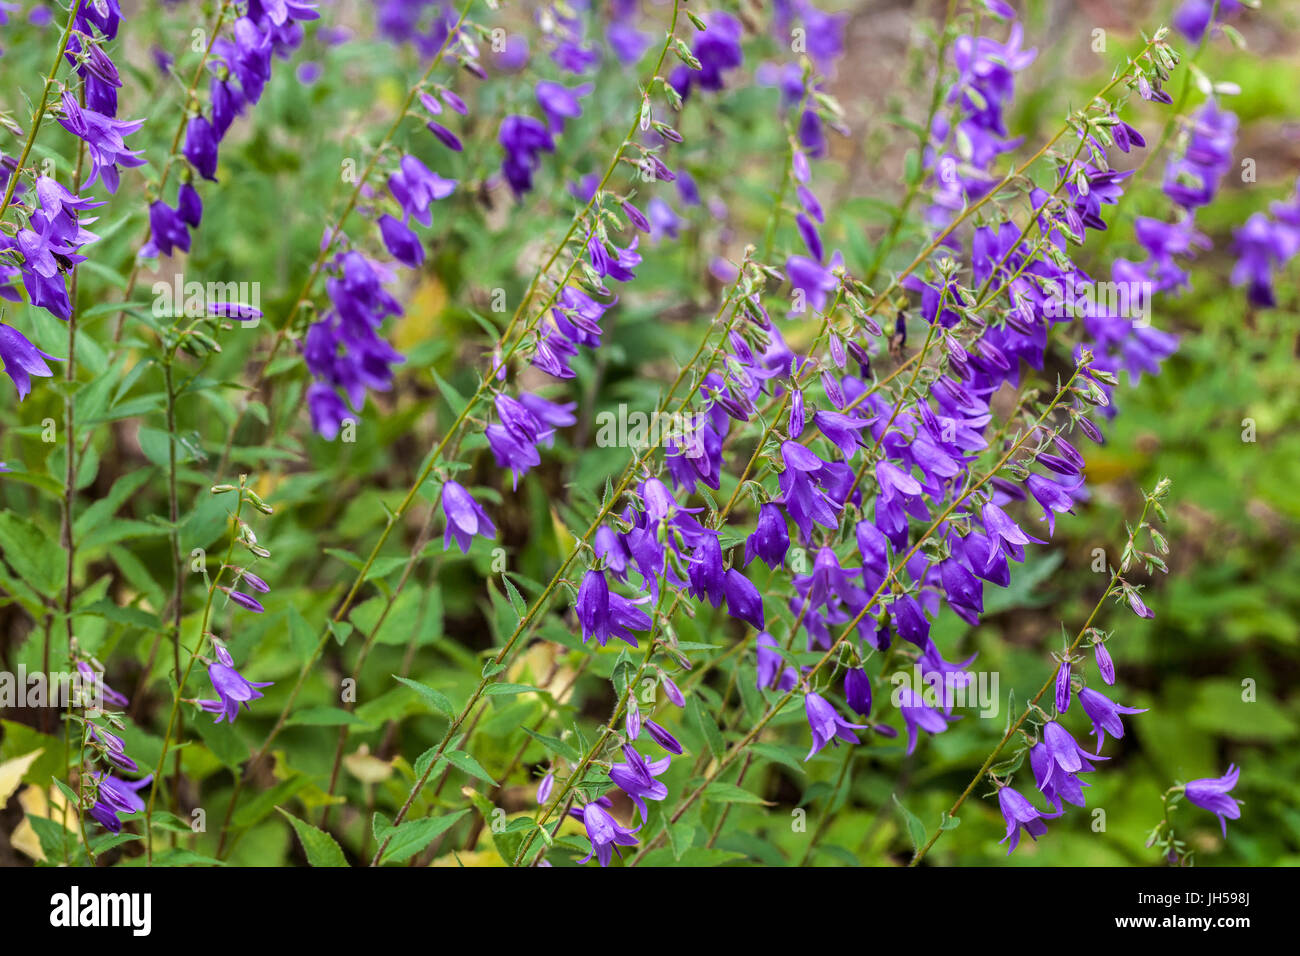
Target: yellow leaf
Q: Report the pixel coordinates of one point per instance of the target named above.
(541, 660)
(423, 309)
(35, 803)
(11, 774)
(366, 767)
(472, 858)
(563, 539)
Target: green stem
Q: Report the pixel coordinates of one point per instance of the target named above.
(850, 628)
(1014, 728)
(318, 265)
(38, 115)
(180, 686)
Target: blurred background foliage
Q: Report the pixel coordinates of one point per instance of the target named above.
(1228, 613)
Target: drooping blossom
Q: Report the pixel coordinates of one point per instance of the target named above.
(465, 518)
(1020, 814)
(636, 777)
(232, 688)
(114, 796)
(1213, 794)
(605, 833)
(1105, 714)
(826, 724)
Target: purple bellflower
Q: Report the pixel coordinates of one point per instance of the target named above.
(826, 724)
(1104, 714)
(465, 518)
(1212, 793)
(1020, 814)
(605, 833)
(636, 778)
(114, 796)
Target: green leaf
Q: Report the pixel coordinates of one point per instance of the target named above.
(73, 799)
(516, 599)
(707, 727)
(341, 630)
(695, 856)
(225, 744)
(720, 792)
(680, 835)
(455, 400)
(434, 698)
(786, 756)
(131, 616)
(555, 745)
(25, 547)
(266, 801)
(414, 835)
(505, 690)
(915, 828)
(103, 509)
(463, 761)
(422, 762)
(54, 837)
(178, 856)
(320, 847)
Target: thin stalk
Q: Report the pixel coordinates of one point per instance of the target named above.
(823, 824)
(174, 538)
(81, 783)
(38, 115)
(70, 450)
(436, 454)
(572, 780)
(850, 628)
(1014, 728)
(887, 244)
(70, 424)
(336, 229)
(180, 686)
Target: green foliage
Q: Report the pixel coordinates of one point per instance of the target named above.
(1216, 668)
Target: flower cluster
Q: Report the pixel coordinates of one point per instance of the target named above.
(344, 349)
(232, 688)
(1057, 760)
(523, 138)
(425, 24)
(1194, 17)
(44, 249)
(108, 794)
(864, 452)
(1264, 245)
(570, 317)
(924, 454)
(240, 65)
(966, 141)
(883, 487)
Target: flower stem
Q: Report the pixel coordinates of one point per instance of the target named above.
(849, 629)
(38, 115)
(1014, 727)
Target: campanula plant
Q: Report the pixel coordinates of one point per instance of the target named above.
(608, 434)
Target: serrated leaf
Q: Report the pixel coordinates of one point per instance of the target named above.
(720, 792)
(320, 847)
(464, 762)
(505, 689)
(915, 828)
(413, 836)
(434, 698)
(516, 599)
(555, 745)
